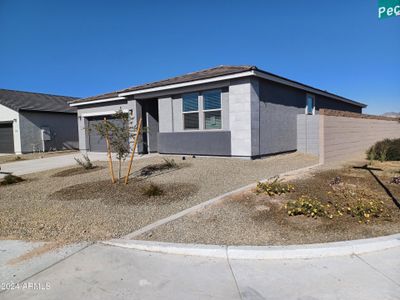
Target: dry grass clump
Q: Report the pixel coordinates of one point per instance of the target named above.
(153, 168)
(152, 190)
(11, 179)
(85, 162)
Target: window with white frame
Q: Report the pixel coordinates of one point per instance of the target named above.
(210, 110)
(310, 104)
(190, 109)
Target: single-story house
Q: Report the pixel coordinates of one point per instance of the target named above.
(239, 111)
(31, 122)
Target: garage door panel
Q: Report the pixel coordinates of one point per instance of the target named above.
(96, 142)
(6, 138)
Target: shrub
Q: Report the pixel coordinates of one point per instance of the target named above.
(309, 207)
(395, 180)
(85, 162)
(11, 179)
(386, 150)
(152, 190)
(170, 163)
(150, 169)
(365, 210)
(275, 187)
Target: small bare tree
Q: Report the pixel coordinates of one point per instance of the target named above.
(118, 133)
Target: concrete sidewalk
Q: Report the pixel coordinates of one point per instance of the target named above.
(48, 163)
(37, 165)
(105, 272)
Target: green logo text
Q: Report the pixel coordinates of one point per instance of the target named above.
(388, 8)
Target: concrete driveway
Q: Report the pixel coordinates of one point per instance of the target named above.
(48, 163)
(105, 272)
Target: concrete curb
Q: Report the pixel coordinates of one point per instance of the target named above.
(171, 248)
(207, 203)
(354, 247)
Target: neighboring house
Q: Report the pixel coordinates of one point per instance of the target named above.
(36, 122)
(226, 111)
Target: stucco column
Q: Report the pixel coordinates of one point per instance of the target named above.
(83, 132)
(244, 117)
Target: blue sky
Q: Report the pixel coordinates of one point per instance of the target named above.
(83, 48)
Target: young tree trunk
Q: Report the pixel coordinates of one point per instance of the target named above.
(119, 171)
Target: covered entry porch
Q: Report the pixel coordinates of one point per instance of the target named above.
(147, 110)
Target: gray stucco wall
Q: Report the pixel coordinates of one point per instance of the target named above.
(199, 143)
(279, 107)
(95, 110)
(63, 128)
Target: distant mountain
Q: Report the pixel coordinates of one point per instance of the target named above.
(392, 114)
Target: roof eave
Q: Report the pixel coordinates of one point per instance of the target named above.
(96, 101)
(252, 72)
(188, 83)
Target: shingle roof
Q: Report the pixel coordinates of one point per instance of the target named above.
(18, 100)
(205, 74)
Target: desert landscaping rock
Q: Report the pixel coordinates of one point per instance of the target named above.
(33, 211)
(250, 219)
(76, 171)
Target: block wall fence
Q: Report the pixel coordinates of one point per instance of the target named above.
(340, 136)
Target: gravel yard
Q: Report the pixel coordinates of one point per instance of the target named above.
(249, 218)
(86, 207)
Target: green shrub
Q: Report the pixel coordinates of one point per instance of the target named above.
(152, 190)
(386, 150)
(365, 210)
(309, 207)
(85, 162)
(11, 179)
(275, 187)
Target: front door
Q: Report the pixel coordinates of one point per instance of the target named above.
(150, 122)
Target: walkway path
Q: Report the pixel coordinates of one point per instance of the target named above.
(105, 272)
(48, 163)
